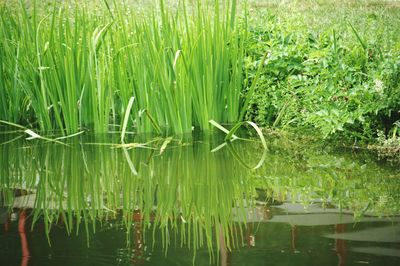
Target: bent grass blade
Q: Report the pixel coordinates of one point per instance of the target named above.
(165, 144)
(31, 133)
(126, 118)
(230, 137)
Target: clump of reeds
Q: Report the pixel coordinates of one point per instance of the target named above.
(66, 68)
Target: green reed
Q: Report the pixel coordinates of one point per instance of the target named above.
(67, 68)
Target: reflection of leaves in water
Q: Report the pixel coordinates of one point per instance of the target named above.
(185, 188)
(349, 180)
(188, 189)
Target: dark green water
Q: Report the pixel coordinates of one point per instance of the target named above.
(182, 202)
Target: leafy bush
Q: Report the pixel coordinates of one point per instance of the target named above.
(341, 78)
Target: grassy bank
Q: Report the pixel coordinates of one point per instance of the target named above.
(332, 67)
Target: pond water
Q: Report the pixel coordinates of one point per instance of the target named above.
(195, 201)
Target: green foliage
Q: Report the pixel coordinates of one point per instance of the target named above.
(333, 67)
(68, 68)
(388, 146)
(338, 71)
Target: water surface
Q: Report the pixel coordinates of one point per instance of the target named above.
(184, 201)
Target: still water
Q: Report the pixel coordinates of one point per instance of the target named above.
(195, 201)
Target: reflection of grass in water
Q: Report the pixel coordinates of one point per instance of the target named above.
(313, 172)
(186, 188)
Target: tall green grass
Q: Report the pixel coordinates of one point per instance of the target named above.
(66, 68)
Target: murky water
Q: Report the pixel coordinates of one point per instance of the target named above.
(191, 201)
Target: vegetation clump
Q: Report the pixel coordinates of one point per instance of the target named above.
(333, 67)
(388, 147)
(67, 68)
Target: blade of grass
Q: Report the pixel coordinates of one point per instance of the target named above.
(126, 118)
